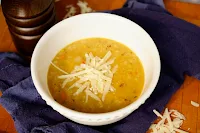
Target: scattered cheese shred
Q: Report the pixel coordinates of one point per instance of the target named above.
(58, 68)
(170, 122)
(176, 114)
(92, 77)
(72, 10)
(157, 113)
(84, 7)
(89, 93)
(195, 104)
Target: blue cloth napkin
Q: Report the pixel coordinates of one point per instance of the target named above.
(177, 41)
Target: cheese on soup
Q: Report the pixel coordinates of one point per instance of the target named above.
(96, 75)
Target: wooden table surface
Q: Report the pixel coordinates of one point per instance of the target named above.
(180, 101)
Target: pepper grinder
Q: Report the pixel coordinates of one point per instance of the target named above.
(27, 21)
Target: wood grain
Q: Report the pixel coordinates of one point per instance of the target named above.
(180, 101)
(187, 11)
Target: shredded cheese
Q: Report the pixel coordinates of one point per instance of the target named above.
(92, 77)
(157, 113)
(170, 122)
(58, 68)
(195, 104)
(84, 7)
(71, 11)
(92, 95)
(176, 114)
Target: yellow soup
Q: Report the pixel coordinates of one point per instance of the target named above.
(125, 75)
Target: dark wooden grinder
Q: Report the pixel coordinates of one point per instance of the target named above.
(27, 21)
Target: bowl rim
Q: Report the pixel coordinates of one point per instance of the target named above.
(60, 108)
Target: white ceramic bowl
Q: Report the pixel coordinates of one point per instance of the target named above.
(95, 25)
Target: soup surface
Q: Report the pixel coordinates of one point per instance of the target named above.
(110, 85)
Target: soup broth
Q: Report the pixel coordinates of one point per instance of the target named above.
(127, 81)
